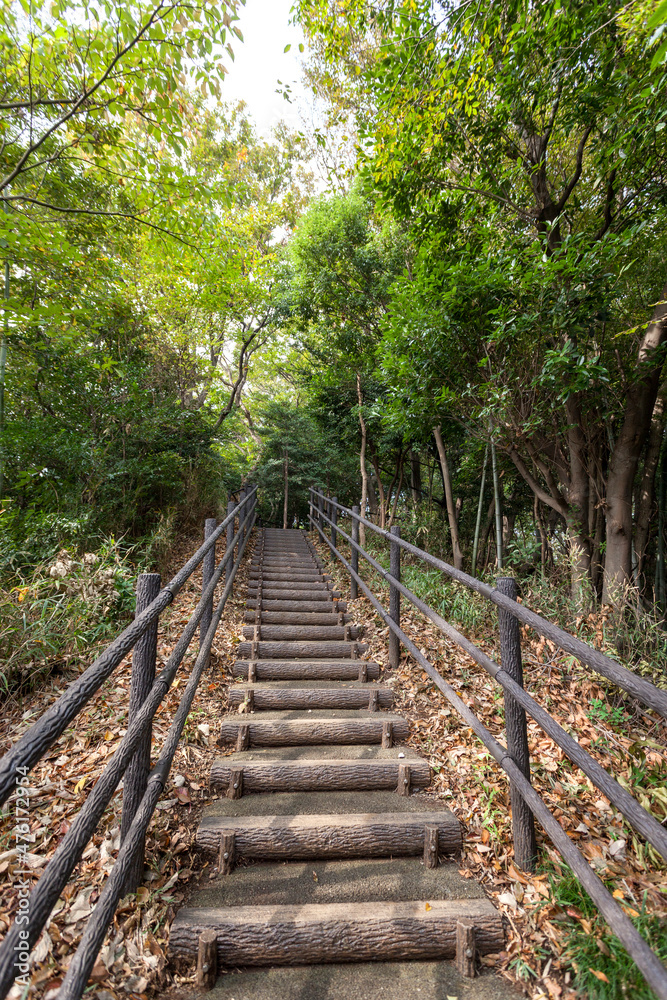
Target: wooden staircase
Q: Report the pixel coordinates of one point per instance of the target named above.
(325, 854)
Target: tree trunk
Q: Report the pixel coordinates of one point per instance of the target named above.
(497, 507)
(578, 496)
(478, 522)
(285, 475)
(362, 462)
(641, 398)
(398, 490)
(451, 510)
(415, 477)
(645, 505)
(378, 479)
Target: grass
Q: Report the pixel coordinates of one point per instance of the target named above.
(602, 968)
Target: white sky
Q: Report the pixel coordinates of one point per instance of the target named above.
(260, 61)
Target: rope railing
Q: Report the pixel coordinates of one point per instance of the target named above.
(139, 801)
(525, 800)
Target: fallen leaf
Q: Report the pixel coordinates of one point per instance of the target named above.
(599, 975)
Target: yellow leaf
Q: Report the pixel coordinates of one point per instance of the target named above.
(428, 906)
(599, 975)
(630, 911)
(22, 591)
(79, 785)
(617, 894)
(108, 735)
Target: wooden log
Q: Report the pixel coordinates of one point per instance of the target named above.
(405, 779)
(305, 585)
(523, 823)
(294, 633)
(295, 594)
(336, 932)
(313, 576)
(364, 671)
(466, 947)
(373, 701)
(309, 731)
(234, 782)
(387, 734)
(226, 851)
(349, 835)
(317, 775)
(207, 959)
(267, 698)
(143, 675)
(299, 606)
(329, 617)
(432, 845)
(334, 669)
(300, 650)
(207, 571)
(251, 672)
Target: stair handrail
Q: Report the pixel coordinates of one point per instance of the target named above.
(645, 958)
(33, 916)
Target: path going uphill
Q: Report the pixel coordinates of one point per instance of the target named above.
(331, 880)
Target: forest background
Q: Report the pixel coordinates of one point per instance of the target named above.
(445, 301)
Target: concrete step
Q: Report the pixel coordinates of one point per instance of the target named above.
(315, 668)
(360, 981)
(298, 606)
(348, 880)
(353, 768)
(297, 633)
(298, 617)
(312, 728)
(335, 932)
(310, 694)
(330, 835)
(302, 650)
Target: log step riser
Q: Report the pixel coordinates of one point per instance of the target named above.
(351, 732)
(304, 671)
(302, 650)
(330, 776)
(306, 698)
(301, 633)
(383, 931)
(332, 837)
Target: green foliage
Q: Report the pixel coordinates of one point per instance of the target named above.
(590, 947)
(59, 615)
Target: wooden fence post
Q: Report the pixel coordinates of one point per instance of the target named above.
(207, 571)
(143, 675)
(242, 513)
(394, 596)
(523, 824)
(354, 556)
(334, 518)
(230, 537)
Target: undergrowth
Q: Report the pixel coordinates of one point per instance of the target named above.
(602, 968)
(61, 613)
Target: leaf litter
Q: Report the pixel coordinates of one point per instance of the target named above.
(633, 747)
(133, 960)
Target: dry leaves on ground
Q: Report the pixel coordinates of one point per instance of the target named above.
(477, 790)
(133, 960)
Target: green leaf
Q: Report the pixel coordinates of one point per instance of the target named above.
(658, 17)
